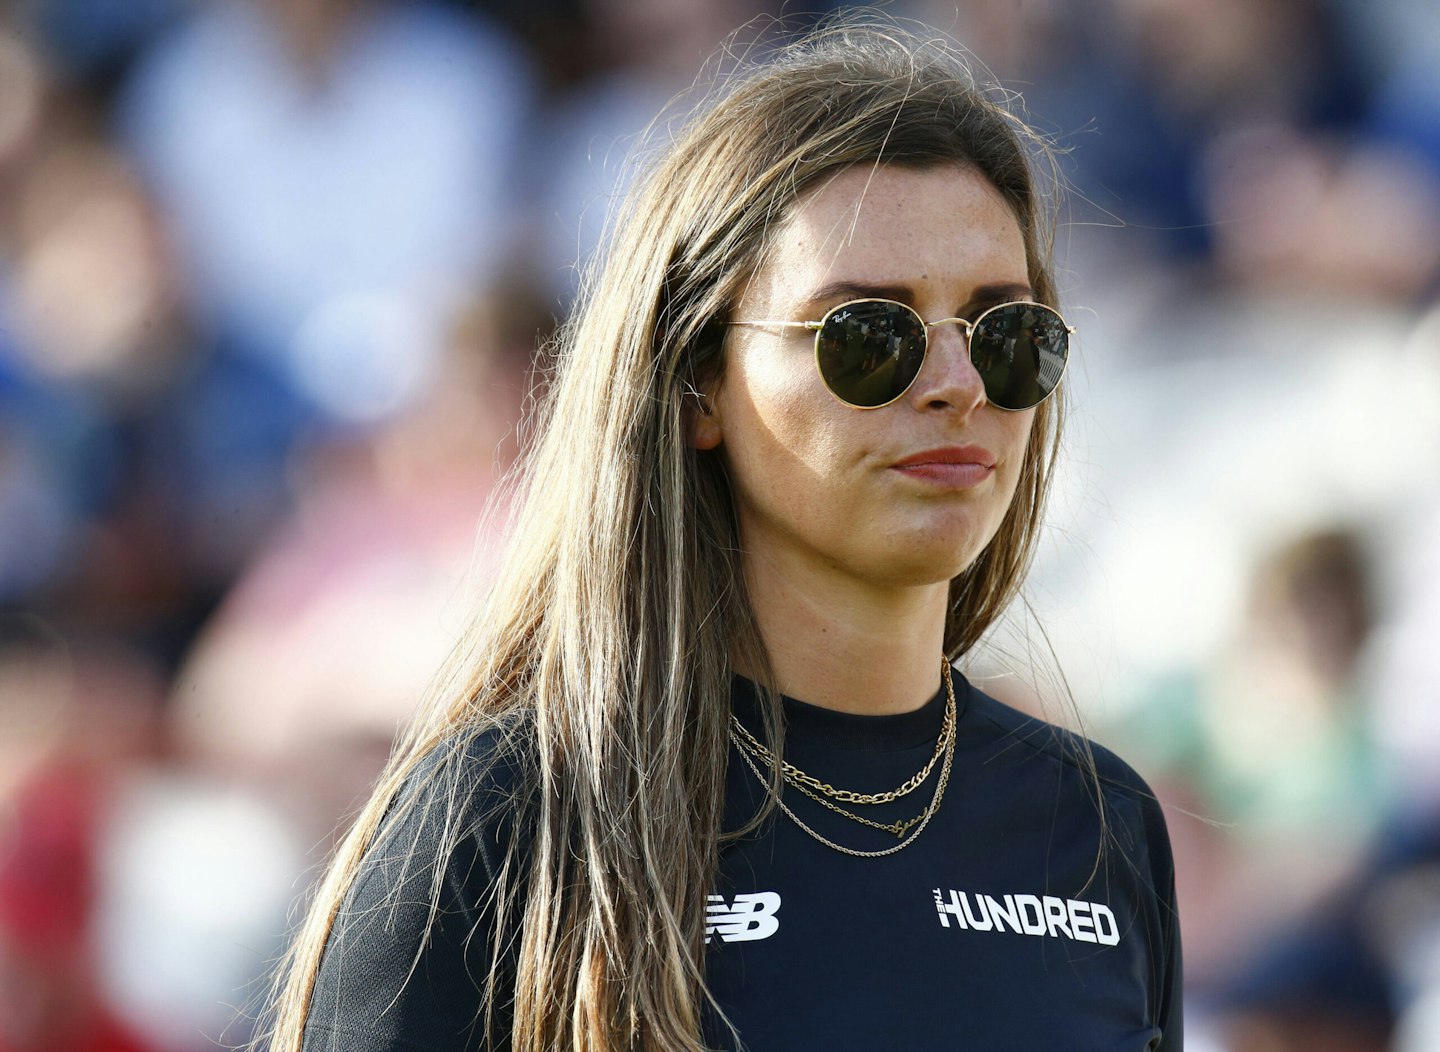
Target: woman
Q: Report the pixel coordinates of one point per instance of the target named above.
(791, 467)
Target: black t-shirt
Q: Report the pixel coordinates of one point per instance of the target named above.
(1017, 920)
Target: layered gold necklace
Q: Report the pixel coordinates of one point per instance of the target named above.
(756, 755)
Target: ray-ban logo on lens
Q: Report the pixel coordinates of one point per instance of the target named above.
(748, 918)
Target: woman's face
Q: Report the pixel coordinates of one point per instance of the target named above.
(907, 494)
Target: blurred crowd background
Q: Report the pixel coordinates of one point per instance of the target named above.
(272, 278)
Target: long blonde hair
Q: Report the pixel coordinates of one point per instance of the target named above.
(619, 608)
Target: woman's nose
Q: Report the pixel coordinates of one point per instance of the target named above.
(948, 378)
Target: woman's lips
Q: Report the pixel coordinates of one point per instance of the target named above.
(956, 466)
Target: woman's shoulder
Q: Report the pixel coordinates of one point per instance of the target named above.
(484, 759)
(1133, 821)
(469, 786)
(1020, 734)
(420, 920)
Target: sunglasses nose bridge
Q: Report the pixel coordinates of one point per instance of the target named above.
(953, 377)
(965, 328)
(961, 324)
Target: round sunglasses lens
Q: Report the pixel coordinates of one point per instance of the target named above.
(1019, 350)
(870, 351)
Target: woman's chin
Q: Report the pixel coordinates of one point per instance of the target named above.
(919, 564)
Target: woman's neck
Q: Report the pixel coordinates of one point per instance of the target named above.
(843, 644)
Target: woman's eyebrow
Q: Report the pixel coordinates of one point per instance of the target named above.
(1000, 293)
(858, 290)
(997, 292)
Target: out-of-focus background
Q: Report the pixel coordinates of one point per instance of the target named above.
(272, 274)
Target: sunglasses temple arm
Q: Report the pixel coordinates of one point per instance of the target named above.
(813, 326)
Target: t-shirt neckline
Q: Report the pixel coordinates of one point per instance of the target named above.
(889, 733)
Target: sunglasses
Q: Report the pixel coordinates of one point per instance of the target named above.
(870, 351)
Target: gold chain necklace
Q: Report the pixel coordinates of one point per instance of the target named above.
(800, 779)
(899, 827)
(924, 818)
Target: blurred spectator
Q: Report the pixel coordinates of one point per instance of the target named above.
(1299, 214)
(1404, 36)
(92, 339)
(1358, 973)
(1240, 60)
(1271, 739)
(139, 894)
(36, 527)
(73, 721)
(286, 708)
(1127, 157)
(338, 175)
(92, 42)
(197, 872)
(329, 640)
(1408, 666)
(644, 55)
(1275, 730)
(1136, 90)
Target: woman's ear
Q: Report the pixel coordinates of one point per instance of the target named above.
(705, 375)
(702, 420)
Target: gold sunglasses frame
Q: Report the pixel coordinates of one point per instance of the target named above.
(925, 327)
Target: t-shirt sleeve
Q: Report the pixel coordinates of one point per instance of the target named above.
(1170, 1017)
(1146, 836)
(407, 963)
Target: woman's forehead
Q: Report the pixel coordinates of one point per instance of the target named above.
(878, 225)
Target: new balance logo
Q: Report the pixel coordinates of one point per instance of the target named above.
(750, 917)
(1029, 915)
